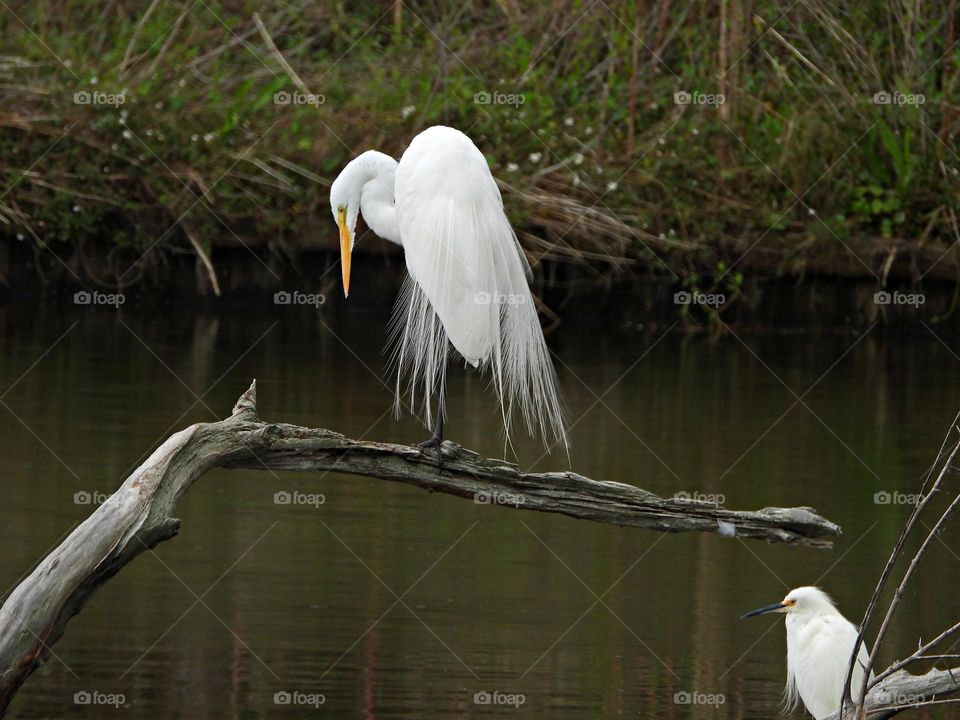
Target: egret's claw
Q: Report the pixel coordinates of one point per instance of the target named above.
(434, 442)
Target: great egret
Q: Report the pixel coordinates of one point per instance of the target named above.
(467, 277)
(819, 643)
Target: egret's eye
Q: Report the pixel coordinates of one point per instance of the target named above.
(789, 603)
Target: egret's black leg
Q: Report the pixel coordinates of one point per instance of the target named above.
(436, 440)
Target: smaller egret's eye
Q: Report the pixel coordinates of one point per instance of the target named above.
(789, 603)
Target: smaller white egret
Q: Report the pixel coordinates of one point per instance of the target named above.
(819, 643)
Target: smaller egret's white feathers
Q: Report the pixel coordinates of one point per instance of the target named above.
(819, 643)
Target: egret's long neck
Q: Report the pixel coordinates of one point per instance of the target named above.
(377, 174)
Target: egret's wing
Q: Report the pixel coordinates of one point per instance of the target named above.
(467, 282)
(444, 211)
(817, 664)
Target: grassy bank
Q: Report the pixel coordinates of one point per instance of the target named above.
(702, 142)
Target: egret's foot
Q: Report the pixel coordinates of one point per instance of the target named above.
(434, 442)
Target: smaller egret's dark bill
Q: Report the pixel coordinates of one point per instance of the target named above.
(762, 611)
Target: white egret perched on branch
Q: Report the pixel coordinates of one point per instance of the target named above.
(819, 646)
(467, 277)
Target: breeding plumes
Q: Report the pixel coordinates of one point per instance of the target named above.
(819, 644)
(467, 283)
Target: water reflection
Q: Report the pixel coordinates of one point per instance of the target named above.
(393, 603)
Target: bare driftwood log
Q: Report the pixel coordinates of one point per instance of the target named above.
(140, 514)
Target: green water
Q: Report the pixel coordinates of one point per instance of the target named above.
(304, 599)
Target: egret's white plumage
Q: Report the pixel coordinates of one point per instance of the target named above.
(819, 643)
(467, 283)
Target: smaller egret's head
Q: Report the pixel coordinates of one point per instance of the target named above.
(345, 204)
(800, 600)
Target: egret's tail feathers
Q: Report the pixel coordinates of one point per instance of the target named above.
(522, 374)
(419, 354)
(522, 370)
(791, 695)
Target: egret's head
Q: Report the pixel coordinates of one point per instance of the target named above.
(802, 600)
(345, 205)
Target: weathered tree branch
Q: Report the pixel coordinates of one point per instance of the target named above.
(902, 691)
(140, 514)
